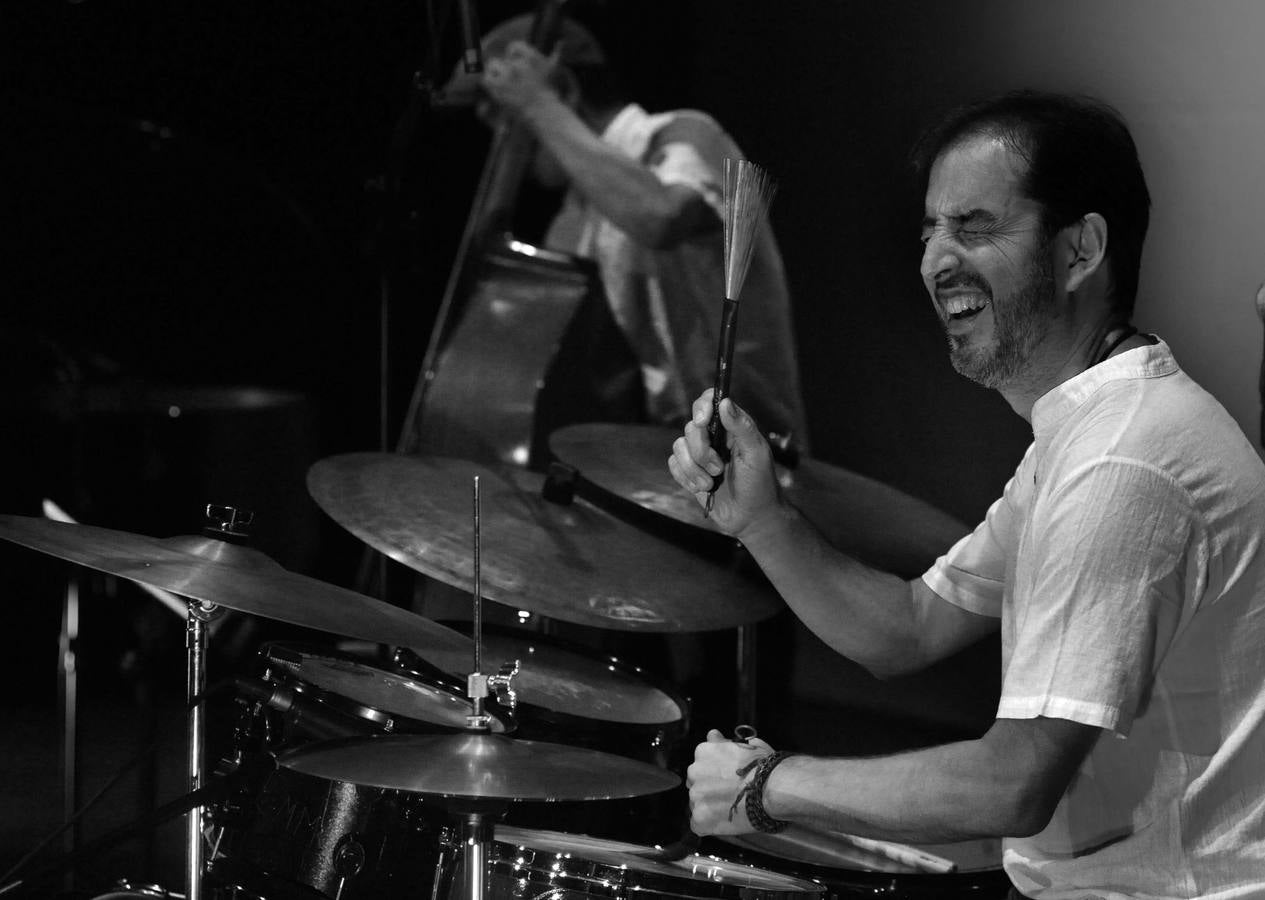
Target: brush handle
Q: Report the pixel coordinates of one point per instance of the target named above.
(724, 368)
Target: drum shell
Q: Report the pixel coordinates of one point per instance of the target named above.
(846, 883)
(308, 835)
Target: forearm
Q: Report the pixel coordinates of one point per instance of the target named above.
(622, 189)
(952, 792)
(866, 615)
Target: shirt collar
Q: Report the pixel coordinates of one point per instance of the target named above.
(1149, 361)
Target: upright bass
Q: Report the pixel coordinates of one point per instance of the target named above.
(523, 341)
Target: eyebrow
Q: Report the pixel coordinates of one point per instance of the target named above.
(982, 216)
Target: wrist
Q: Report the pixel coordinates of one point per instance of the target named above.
(758, 813)
(767, 526)
(776, 797)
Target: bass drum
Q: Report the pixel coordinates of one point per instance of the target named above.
(569, 695)
(526, 864)
(846, 871)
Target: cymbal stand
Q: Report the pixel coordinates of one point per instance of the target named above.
(200, 616)
(479, 820)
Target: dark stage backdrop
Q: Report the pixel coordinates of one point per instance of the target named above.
(213, 195)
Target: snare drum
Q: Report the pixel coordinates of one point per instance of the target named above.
(847, 871)
(527, 864)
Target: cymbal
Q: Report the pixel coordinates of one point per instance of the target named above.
(572, 562)
(562, 680)
(865, 518)
(236, 577)
(481, 766)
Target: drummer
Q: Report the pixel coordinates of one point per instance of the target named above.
(1124, 564)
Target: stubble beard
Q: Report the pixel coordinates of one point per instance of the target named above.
(1019, 325)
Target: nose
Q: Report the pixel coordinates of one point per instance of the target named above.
(939, 259)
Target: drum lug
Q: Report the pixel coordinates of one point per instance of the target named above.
(349, 857)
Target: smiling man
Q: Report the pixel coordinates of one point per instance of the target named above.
(1123, 565)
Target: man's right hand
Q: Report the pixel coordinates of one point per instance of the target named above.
(749, 491)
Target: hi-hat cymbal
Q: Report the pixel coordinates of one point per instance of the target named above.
(572, 562)
(236, 577)
(479, 766)
(865, 518)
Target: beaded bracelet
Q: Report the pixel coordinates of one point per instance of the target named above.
(755, 795)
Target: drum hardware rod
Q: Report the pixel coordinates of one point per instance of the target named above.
(478, 588)
(200, 614)
(746, 674)
(479, 685)
(476, 684)
(69, 697)
(476, 834)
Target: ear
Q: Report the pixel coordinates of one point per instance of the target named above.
(1085, 242)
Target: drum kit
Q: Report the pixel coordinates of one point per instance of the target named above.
(411, 767)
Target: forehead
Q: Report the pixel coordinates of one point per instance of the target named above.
(978, 173)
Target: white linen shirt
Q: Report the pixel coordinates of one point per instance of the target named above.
(1125, 561)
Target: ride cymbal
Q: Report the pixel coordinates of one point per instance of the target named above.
(568, 561)
(865, 518)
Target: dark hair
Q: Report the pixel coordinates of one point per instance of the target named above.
(1081, 159)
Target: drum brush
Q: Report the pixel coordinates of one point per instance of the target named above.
(748, 191)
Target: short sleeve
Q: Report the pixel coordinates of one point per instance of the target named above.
(972, 574)
(1098, 601)
(691, 151)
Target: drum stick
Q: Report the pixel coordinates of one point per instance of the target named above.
(915, 858)
(748, 191)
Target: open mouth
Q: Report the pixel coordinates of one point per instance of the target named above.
(964, 308)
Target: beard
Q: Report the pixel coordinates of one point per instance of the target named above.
(1019, 325)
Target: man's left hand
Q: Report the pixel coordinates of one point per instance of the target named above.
(714, 784)
(520, 78)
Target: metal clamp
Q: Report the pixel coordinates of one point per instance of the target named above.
(502, 684)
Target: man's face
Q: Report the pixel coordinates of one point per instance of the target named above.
(986, 263)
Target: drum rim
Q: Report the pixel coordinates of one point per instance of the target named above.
(824, 873)
(646, 874)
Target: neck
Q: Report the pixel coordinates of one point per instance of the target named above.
(1063, 354)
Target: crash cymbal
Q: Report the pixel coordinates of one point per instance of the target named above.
(572, 562)
(480, 766)
(870, 520)
(236, 577)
